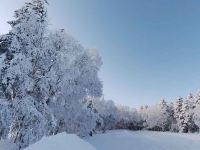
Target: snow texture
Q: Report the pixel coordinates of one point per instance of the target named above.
(61, 141)
(145, 140)
(121, 140)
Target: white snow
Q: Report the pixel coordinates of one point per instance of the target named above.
(61, 141)
(121, 140)
(6, 145)
(2, 57)
(144, 140)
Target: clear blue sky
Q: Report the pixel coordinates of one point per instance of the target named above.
(150, 49)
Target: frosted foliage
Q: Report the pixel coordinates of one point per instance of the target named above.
(178, 114)
(108, 112)
(196, 115)
(128, 118)
(127, 114)
(196, 110)
(6, 118)
(45, 75)
(28, 125)
(157, 117)
(113, 116)
(143, 112)
(75, 77)
(19, 76)
(184, 115)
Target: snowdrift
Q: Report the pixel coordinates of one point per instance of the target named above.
(61, 141)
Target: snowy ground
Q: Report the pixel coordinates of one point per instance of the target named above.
(121, 140)
(145, 140)
(62, 141)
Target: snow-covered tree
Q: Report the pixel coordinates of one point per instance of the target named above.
(20, 73)
(128, 118)
(197, 98)
(179, 115)
(168, 113)
(107, 111)
(44, 77)
(158, 117)
(143, 113)
(5, 41)
(188, 113)
(172, 119)
(75, 76)
(196, 111)
(6, 118)
(112, 116)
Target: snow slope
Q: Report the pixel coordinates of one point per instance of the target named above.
(121, 140)
(61, 141)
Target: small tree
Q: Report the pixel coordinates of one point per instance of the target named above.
(188, 114)
(196, 111)
(179, 115)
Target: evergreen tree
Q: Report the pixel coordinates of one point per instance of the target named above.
(172, 117)
(178, 115)
(196, 111)
(158, 117)
(188, 111)
(44, 78)
(197, 98)
(19, 73)
(166, 124)
(144, 115)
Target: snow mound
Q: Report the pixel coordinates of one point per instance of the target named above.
(61, 141)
